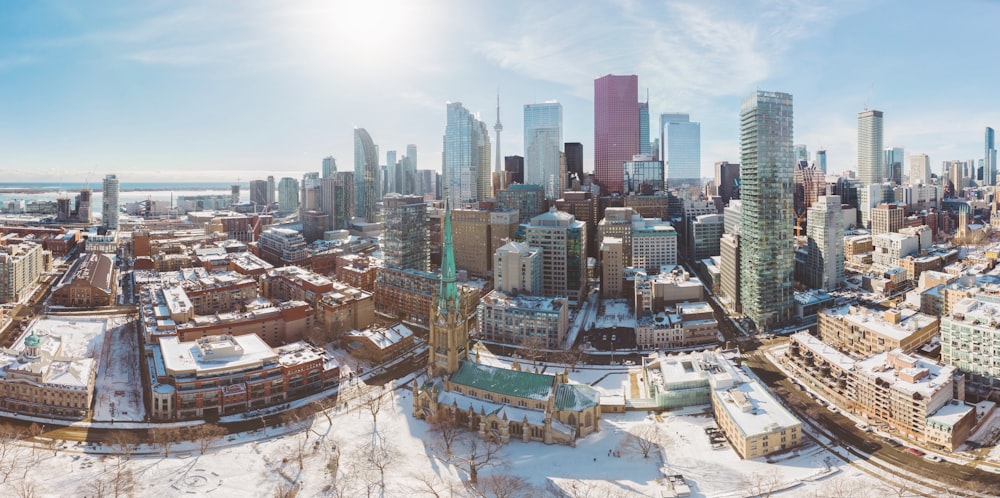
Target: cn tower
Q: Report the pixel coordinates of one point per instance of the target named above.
(498, 180)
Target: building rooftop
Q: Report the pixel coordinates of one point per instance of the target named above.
(504, 381)
(214, 355)
(909, 321)
(383, 337)
(909, 374)
(500, 299)
(753, 409)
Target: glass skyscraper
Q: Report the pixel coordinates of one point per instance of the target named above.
(466, 157)
(892, 159)
(616, 128)
(110, 204)
(542, 145)
(990, 159)
(767, 263)
(870, 167)
(365, 175)
(681, 143)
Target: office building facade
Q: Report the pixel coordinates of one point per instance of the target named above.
(466, 157)
(616, 128)
(681, 145)
(542, 147)
(870, 166)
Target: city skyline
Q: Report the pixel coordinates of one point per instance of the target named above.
(153, 90)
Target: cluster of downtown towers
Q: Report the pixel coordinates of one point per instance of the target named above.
(623, 153)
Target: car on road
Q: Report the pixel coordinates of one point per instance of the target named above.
(933, 458)
(915, 451)
(891, 442)
(863, 427)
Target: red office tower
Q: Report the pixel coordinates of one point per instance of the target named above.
(616, 128)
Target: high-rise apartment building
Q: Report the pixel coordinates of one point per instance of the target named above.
(258, 192)
(542, 147)
(681, 145)
(616, 128)
(270, 191)
(767, 263)
(466, 157)
(329, 167)
(392, 181)
(990, 159)
(824, 267)
(563, 241)
(405, 240)
(801, 153)
(870, 167)
(365, 175)
(920, 169)
(517, 269)
(110, 213)
(288, 195)
(343, 200)
(644, 145)
(887, 218)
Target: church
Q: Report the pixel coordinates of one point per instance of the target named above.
(498, 403)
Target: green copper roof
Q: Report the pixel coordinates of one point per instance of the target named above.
(32, 341)
(447, 298)
(503, 381)
(576, 397)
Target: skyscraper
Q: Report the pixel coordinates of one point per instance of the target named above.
(821, 160)
(727, 177)
(329, 167)
(405, 240)
(288, 195)
(466, 157)
(870, 167)
(825, 249)
(258, 192)
(767, 263)
(616, 128)
(644, 128)
(920, 169)
(365, 175)
(574, 160)
(892, 160)
(270, 191)
(682, 149)
(542, 145)
(392, 183)
(110, 213)
(990, 159)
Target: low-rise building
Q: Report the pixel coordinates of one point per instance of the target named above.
(345, 308)
(653, 293)
(225, 374)
(91, 282)
(864, 332)
(380, 343)
(511, 319)
(689, 325)
(755, 423)
(291, 283)
(37, 378)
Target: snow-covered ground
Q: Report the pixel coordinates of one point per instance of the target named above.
(616, 313)
(117, 390)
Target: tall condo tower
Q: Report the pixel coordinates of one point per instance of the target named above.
(870, 167)
(616, 128)
(825, 248)
(110, 213)
(365, 175)
(990, 159)
(329, 167)
(498, 175)
(767, 263)
(542, 147)
(466, 157)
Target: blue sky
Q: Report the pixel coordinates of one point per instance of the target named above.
(224, 90)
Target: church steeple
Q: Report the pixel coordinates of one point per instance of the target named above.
(449, 335)
(447, 298)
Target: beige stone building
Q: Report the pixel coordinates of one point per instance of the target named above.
(612, 267)
(477, 236)
(37, 378)
(865, 332)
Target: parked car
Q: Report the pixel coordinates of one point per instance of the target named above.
(915, 451)
(933, 458)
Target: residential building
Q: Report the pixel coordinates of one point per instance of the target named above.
(282, 246)
(563, 241)
(864, 332)
(225, 374)
(329, 167)
(515, 319)
(258, 194)
(688, 325)
(612, 267)
(365, 176)
(405, 240)
(890, 248)
(380, 343)
(767, 261)
(871, 169)
(655, 293)
(518, 269)
(887, 218)
(970, 341)
(920, 169)
(729, 269)
(824, 267)
(288, 195)
(753, 420)
(583, 206)
(109, 216)
(345, 308)
(654, 244)
(466, 157)
(292, 283)
(616, 128)
(20, 267)
(704, 233)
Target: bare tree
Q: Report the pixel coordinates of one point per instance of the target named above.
(533, 348)
(643, 438)
(121, 482)
(445, 429)
(502, 486)
(165, 439)
(25, 488)
(472, 455)
(95, 488)
(126, 441)
(285, 490)
(373, 401)
(572, 357)
(431, 484)
(761, 484)
(378, 456)
(11, 452)
(208, 434)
